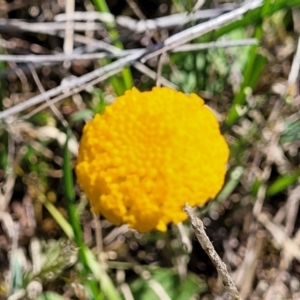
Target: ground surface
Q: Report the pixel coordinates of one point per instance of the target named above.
(253, 87)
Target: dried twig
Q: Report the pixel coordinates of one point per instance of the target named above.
(69, 30)
(139, 66)
(71, 92)
(211, 252)
(141, 26)
(59, 57)
(294, 73)
(289, 248)
(54, 109)
(292, 208)
(170, 44)
(76, 83)
(217, 44)
(288, 245)
(194, 32)
(161, 62)
(153, 75)
(45, 27)
(291, 88)
(242, 277)
(136, 9)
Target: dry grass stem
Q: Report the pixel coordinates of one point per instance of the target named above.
(140, 26)
(208, 247)
(171, 43)
(59, 66)
(194, 32)
(60, 57)
(294, 73)
(78, 83)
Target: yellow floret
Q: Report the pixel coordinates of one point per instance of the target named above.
(148, 155)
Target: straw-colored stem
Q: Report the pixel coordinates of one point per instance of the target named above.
(208, 247)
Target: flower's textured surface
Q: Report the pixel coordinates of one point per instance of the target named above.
(149, 154)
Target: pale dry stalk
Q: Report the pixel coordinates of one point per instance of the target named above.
(208, 247)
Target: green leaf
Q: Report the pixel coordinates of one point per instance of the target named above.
(100, 106)
(41, 119)
(291, 132)
(81, 115)
(4, 150)
(50, 296)
(16, 271)
(256, 62)
(170, 283)
(231, 184)
(254, 17)
(59, 218)
(70, 194)
(253, 69)
(282, 183)
(2, 83)
(3, 133)
(255, 187)
(252, 73)
(107, 286)
(126, 82)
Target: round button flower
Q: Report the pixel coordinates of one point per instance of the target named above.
(149, 154)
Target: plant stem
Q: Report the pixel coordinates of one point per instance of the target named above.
(208, 247)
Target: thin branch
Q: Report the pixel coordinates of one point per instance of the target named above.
(200, 29)
(72, 85)
(185, 240)
(217, 44)
(59, 57)
(153, 75)
(194, 32)
(250, 257)
(45, 27)
(88, 16)
(211, 252)
(136, 9)
(91, 44)
(161, 62)
(55, 111)
(198, 5)
(69, 30)
(141, 26)
(72, 92)
(138, 26)
(294, 73)
(171, 43)
(139, 66)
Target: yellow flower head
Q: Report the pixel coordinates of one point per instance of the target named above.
(148, 155)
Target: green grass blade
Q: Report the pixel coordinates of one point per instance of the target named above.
(99, 108)
(282, 183)
(253, 71)
(107, 286)
(120, 87)
(3, 133)
(231, 184)
(256, 62)
(50, 296)
(70, 195)
(58, 217)
(16, 272)
(254, 17)
(87, 258)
